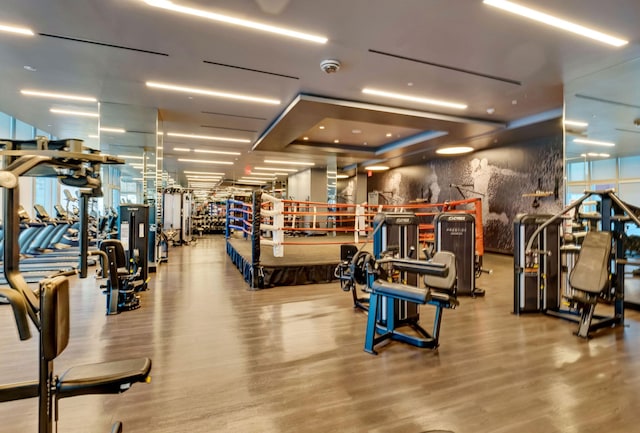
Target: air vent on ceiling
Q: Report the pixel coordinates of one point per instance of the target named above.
(448, 67)
(606, 101)
(227, 129)
(250, 70)
(233, 115)
(103, 44)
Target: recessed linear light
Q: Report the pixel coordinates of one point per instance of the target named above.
(215, 93)
(208, 137)
(73, 113)
(258, 176)
(130, 157)
(556, 22)
(276, 161)
(602, 155)
(181, 149)
(169, 5)
(454, 150)
(251, 182)
(203, 172)
(117, 130)
(290, 170)
(342, 176)
(376, 168)
(218, 152)
(414, 99)
(205, 161)
(93, 136)
(14, 29)
(575, 123)
(594, 142)
(29, 92)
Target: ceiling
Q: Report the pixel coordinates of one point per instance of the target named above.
(508, 71)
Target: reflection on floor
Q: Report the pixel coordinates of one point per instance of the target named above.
(291, 359)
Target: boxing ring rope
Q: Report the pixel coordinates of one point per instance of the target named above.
(274, 222)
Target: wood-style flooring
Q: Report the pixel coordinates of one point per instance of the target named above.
(291, 359)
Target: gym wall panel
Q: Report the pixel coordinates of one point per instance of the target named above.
(500, 176)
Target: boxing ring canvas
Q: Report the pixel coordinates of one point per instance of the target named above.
(311, 263)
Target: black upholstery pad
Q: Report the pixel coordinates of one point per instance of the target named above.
(591, 271)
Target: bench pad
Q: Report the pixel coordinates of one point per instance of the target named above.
(400, 291)
(103, 378)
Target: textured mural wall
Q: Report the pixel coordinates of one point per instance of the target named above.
(498, 176)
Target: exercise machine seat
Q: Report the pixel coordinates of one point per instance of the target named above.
(102, 378)
(400, 291)
(590, 274)
(111, 377)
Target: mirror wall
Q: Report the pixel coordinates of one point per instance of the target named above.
(602, 147)
(602, 132)
(130, 132)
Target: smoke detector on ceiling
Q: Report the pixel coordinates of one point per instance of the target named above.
(330, 66)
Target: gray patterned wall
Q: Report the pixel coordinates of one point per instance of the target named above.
(499, 176)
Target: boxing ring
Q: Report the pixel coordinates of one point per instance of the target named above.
(276, 242)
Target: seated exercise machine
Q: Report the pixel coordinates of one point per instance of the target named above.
(384, 315)
(566, 274)
(392, 281)
(122, 283)
(48, 307)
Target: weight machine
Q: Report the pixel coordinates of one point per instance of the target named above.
(48, 307)
(593, 262)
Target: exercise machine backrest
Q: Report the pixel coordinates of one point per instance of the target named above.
(591, 271)
(446, 283)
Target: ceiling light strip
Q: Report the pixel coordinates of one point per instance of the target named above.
(169, 5)
(117, 130)
(14, 29)
(203, 172)
(291, 170)
(214, 93)
(556, 22)
(73, 112)
(208, 137)
(403, 97)
(205, 161)
(576, 123)
(454, 150)
(594, 142)
(277, 161)
(218, 152)
(29, 92)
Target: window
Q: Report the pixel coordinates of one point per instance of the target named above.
(5, 125)
(24, 131)
(46, 192)
(630, 167)
(602, 169)
(576, 171)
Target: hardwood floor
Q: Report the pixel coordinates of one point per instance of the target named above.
(291, 359)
